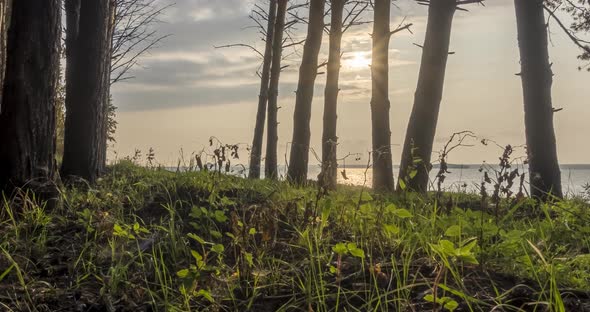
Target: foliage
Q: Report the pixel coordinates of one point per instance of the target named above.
(147, 238)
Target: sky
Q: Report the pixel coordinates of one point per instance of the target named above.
(185, 90)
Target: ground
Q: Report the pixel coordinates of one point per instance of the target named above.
(147, 239)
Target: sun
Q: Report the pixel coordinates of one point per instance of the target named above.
(358, 60)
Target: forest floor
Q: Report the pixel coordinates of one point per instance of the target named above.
(153, 240)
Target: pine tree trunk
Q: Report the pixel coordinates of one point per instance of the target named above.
(299, 158)
(88, 50)
(382, 162)
(27, 116)
(271, 162)
(416, 156)
(537, 78)
(256, 152)
(328, 177)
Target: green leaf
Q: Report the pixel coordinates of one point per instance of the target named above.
(195, 212)
(429, 298)
(205, 294)
(218, 248)
(220, 216)
(182, 273)
(216, 234)
(249, 258)
(196, 238)
(451, 305)
(413, 173)
(392, 229)
(355, 251)
(340, 249)
(252, 231)
(366, 197)
(402, 184)
(333, 269)
(453, 231)
(196, 255)
(402, 213)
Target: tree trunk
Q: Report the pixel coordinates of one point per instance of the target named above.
(537, 78)
(299, 159)
(328, 177)
(256, 152)
(382, 162)
(107, 94)
(416, 156)
(272, 137)
(4, 23)
(88, 49)
(27, 117)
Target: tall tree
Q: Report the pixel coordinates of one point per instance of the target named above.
(537, 78)
(4, 22)
(256, 152)
(108, 108)
(27, 115)
(271, 161)
(298, 162)
(328, 176)
(88, 62)
(380, 105)
(416, 156)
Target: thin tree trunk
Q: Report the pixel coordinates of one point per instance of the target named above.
(256, 152)
(382, 162)
(537, 78)
(271, 162)
(27, 117)
(416, 156)
(88, 49)
(5, 6)
(107, 94)
(299, 159)
(328, 177)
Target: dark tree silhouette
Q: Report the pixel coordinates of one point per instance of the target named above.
(271, 160)
(416, 156)
(328, 176)
(537, 78)
(579, 10)
(88, 49)
(382, 161)
(27, 115)
(339, 23)
(256, 151)
(4, 20)
(298, 161)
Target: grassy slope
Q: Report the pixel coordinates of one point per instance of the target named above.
(150, 240)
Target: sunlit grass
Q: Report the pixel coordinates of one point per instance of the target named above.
(202, 241)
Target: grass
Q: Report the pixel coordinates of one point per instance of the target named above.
(153, 240)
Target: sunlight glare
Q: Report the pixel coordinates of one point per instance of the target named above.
(358, 60)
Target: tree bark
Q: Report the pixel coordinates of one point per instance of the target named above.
(328, 176)
(88, 50)
(299, 158)
(256, 152)
(27, 116)
(107, 94)
(5, 6)
(271, 163)
(537, 78)
(382, 162)
(417, 151)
